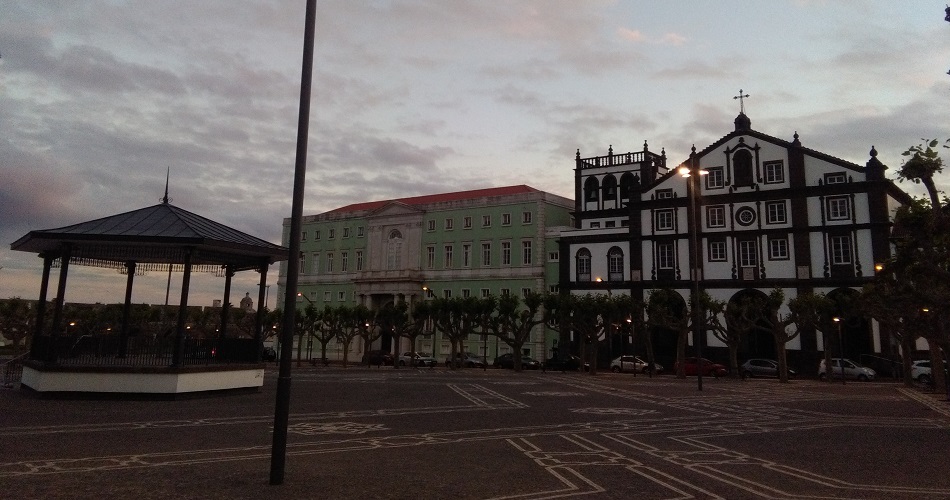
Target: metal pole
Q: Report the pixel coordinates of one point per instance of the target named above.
(694, 266)
(282, 406)
(841, 346)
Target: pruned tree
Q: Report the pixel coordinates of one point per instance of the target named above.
(512, 323)
(666, 309)
(456, 318)
(17, 322)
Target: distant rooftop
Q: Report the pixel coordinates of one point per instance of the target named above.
(437, 198)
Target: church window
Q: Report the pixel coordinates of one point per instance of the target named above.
(742, 168)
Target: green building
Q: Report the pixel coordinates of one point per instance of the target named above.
(477, 243)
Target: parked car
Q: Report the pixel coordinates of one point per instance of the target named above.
(269, 354)
(852, 370)
(467, 359)
(377, 357)
(566, 363)
(508, 361)
(416, 359)
(922, 371)
(758, 367)
(692, 367)
(629, 363)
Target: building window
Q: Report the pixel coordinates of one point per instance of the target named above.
(505, 292)
(466, 255)
(526, 217)
(595, 225)
(359, 260)
(447, 261)
(346, 232)
(467, 222)
(359, 231)
(525, 292)
(486, 292)
(839, 208)
(431, 225)
(505, 219)
(664, 194)
(625, 223)
(774, 172)
(303, 236)
(329, 263)
(331, 234)
(394, 250)
(615, 264)
(836, 178)
(341, 296)
(466, 293)
(591, 190)
(610, 223)
(717, 250)
(554, 288)
(430, 257)
(778, 249)
(747, 253)
(316, 235)
(344, 261)
(447, 294)
(486, 254)
(664, 220)
(715, 179)
(665, 256)
(429, 294)
(716, 216)
(554, 256)
(526, 257)
(506, 253)
(315, 264)
(775, 212)
(840, 249)
(583, 264)
(327, 296)
(449, 224)
(486, 221)
(302, 264)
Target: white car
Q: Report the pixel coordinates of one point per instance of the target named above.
(921, 371)
(628, 363)
(851, 370)
(416, 359)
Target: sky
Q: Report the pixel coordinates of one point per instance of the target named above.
(410, 97)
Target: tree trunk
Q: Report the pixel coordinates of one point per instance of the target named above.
(907, 350)
(781, 359)
(936, 368)
(323, 352)
(828, 367)
(734, 359)
(681, 354)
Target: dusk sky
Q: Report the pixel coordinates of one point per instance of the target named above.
(413, 97)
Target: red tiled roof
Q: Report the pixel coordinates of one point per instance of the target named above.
(438, 198)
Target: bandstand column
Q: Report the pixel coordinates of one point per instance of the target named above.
(41, 308)
(126, 309)
(259, 318)
(226, 306)
(179, 355)
(51, 353)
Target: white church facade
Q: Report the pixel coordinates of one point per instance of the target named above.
(770, 212)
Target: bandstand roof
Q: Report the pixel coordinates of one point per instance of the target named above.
(160, 234)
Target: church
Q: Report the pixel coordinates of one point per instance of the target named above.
(769, 213)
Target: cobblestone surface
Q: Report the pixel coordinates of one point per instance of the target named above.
(407, 433)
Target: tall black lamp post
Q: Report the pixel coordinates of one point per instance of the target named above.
(840, 348)
(693, 174)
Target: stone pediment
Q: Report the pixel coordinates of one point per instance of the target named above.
(395, 209)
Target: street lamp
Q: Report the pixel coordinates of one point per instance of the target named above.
(694, 173)
(841, 347)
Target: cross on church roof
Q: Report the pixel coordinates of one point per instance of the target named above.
(741, 96)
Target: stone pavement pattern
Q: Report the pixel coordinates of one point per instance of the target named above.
(407, 433)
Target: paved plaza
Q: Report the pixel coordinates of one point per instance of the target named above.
(471, 434)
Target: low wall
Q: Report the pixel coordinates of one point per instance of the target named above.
(141, 380)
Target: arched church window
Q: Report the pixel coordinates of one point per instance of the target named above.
(742, 168)
(583, 265)
(394, 250)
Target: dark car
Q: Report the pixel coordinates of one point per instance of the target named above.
(508, 361)
(269, 354)
(466, 359)
(377, 357)
(762, 368)
(691, 365)
(566, 363)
